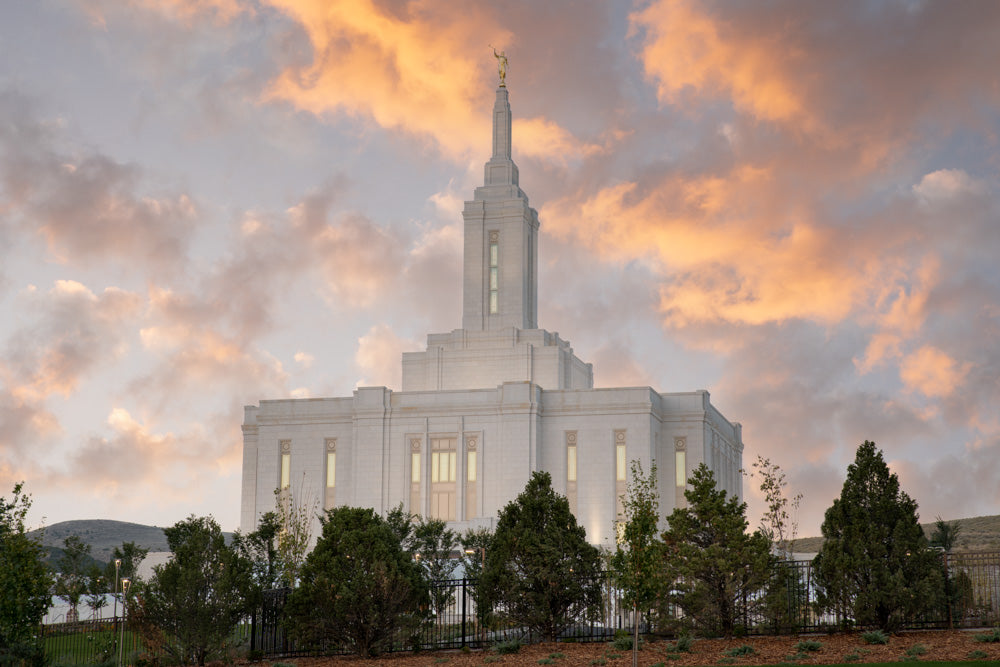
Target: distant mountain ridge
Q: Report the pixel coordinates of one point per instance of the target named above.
(980, 533)
(103, 535)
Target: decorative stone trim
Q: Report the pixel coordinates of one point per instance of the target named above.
(680, 443)
(331, 444)
(471, 443)
(494, 237)
(286, 446)
(619, 437)
(415, 444)
(571, 438)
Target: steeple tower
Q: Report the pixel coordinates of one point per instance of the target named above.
(501, 241)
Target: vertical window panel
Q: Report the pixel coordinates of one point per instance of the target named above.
(680, 466)
(620, 472)
(571, 463)
(286, 470)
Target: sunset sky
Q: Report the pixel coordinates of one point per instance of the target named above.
(203, 203)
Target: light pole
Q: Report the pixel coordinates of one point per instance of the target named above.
(121, 645)
(118, 564)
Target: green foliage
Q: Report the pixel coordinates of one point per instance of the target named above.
(988, 637)
(875, 637)
(507, 647)
(916, 649)
(715, 563)
(540, 568)
(684, 643)
(622, 643)
(294, 514)
(191, 606)
(808, 645)
(737, 651)
(359, 587)
(475, 543)
(545, 661)
(852, 657)
(131, 556)
(557, 655)
(875, 565)
(637, 563)
(945, 535)
(24, 585)
(431, 545)
(260, 548)
(978, 654)
(71, 581)
(97, 586)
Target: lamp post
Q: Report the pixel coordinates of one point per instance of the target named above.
(121, 645)
(118, 564)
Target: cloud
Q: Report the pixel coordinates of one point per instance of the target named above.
(87, 206)
(932, 372)
(943, 185)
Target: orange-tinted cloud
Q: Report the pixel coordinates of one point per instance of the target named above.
(422, 69)
(378, 357)
(932, 372)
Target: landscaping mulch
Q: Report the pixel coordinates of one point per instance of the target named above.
(842, 647)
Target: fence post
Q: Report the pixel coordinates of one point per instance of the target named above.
(253, 630)
(463, 610)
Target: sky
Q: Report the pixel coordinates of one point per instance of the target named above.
(204, 203)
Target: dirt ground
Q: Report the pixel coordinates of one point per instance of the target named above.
(924, 646)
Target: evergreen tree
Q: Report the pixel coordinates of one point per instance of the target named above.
(715, 564)
(359, 587)
(432, 547)
(875, 564)
(192, 604)
(540, 569)
(24, 585)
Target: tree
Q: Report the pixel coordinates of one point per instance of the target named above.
(193, 603)
(295, 517)
(638, 561)
(945, 535)
(875, 564)
(475, 543)
(131, 556)
(540, 569)
(260, 548)
(714, 562)
(358, 587)
(777, 524)
(432, 547)
(24, 585)
(97, 590)
(71, 582)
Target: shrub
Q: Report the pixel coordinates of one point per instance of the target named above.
(623, 643)
(978, 655)
(737, 651)
(557, 656)
(875, 637)
(684, 643)
(545, 661)
(852, 657)
(916, 649)
(988, 637)
(507, 647)
(808, 645)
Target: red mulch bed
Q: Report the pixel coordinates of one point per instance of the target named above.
(841, 647)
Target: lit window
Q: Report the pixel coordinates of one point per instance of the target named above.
(285, 475)
(571, 463)
(680, 466)
(331, 473)
(620, 474)
(444, 460)
(415, 467)
(470, 466)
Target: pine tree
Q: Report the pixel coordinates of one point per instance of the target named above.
(540, 569)
(875, 564)
(715, 563)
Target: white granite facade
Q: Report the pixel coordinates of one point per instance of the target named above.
(486, 405)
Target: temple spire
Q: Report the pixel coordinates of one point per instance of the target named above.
(501, 170)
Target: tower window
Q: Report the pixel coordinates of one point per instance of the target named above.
(331, 473)
(443, 478)
(286, 464)
(494, 273)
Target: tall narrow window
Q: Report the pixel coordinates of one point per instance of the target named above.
(680, 471)
(285, 478)
(443, 487)
(621, 475)
(494, 273)
(415, 476)
(471, 476)
(331, 473)
(571, 470)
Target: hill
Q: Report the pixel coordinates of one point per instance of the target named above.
(981, 533)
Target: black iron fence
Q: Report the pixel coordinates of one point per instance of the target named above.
(787, 605)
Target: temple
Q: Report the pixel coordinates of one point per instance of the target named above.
(484, 406)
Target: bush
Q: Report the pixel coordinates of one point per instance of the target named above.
(508, 647)
(808, 645)
(978, 655)
(988, 637)
(875, 637)
(737, 651)
(622, 642)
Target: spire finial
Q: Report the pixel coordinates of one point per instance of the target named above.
(501, 65)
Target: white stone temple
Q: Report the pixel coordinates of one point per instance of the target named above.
(486, 405)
